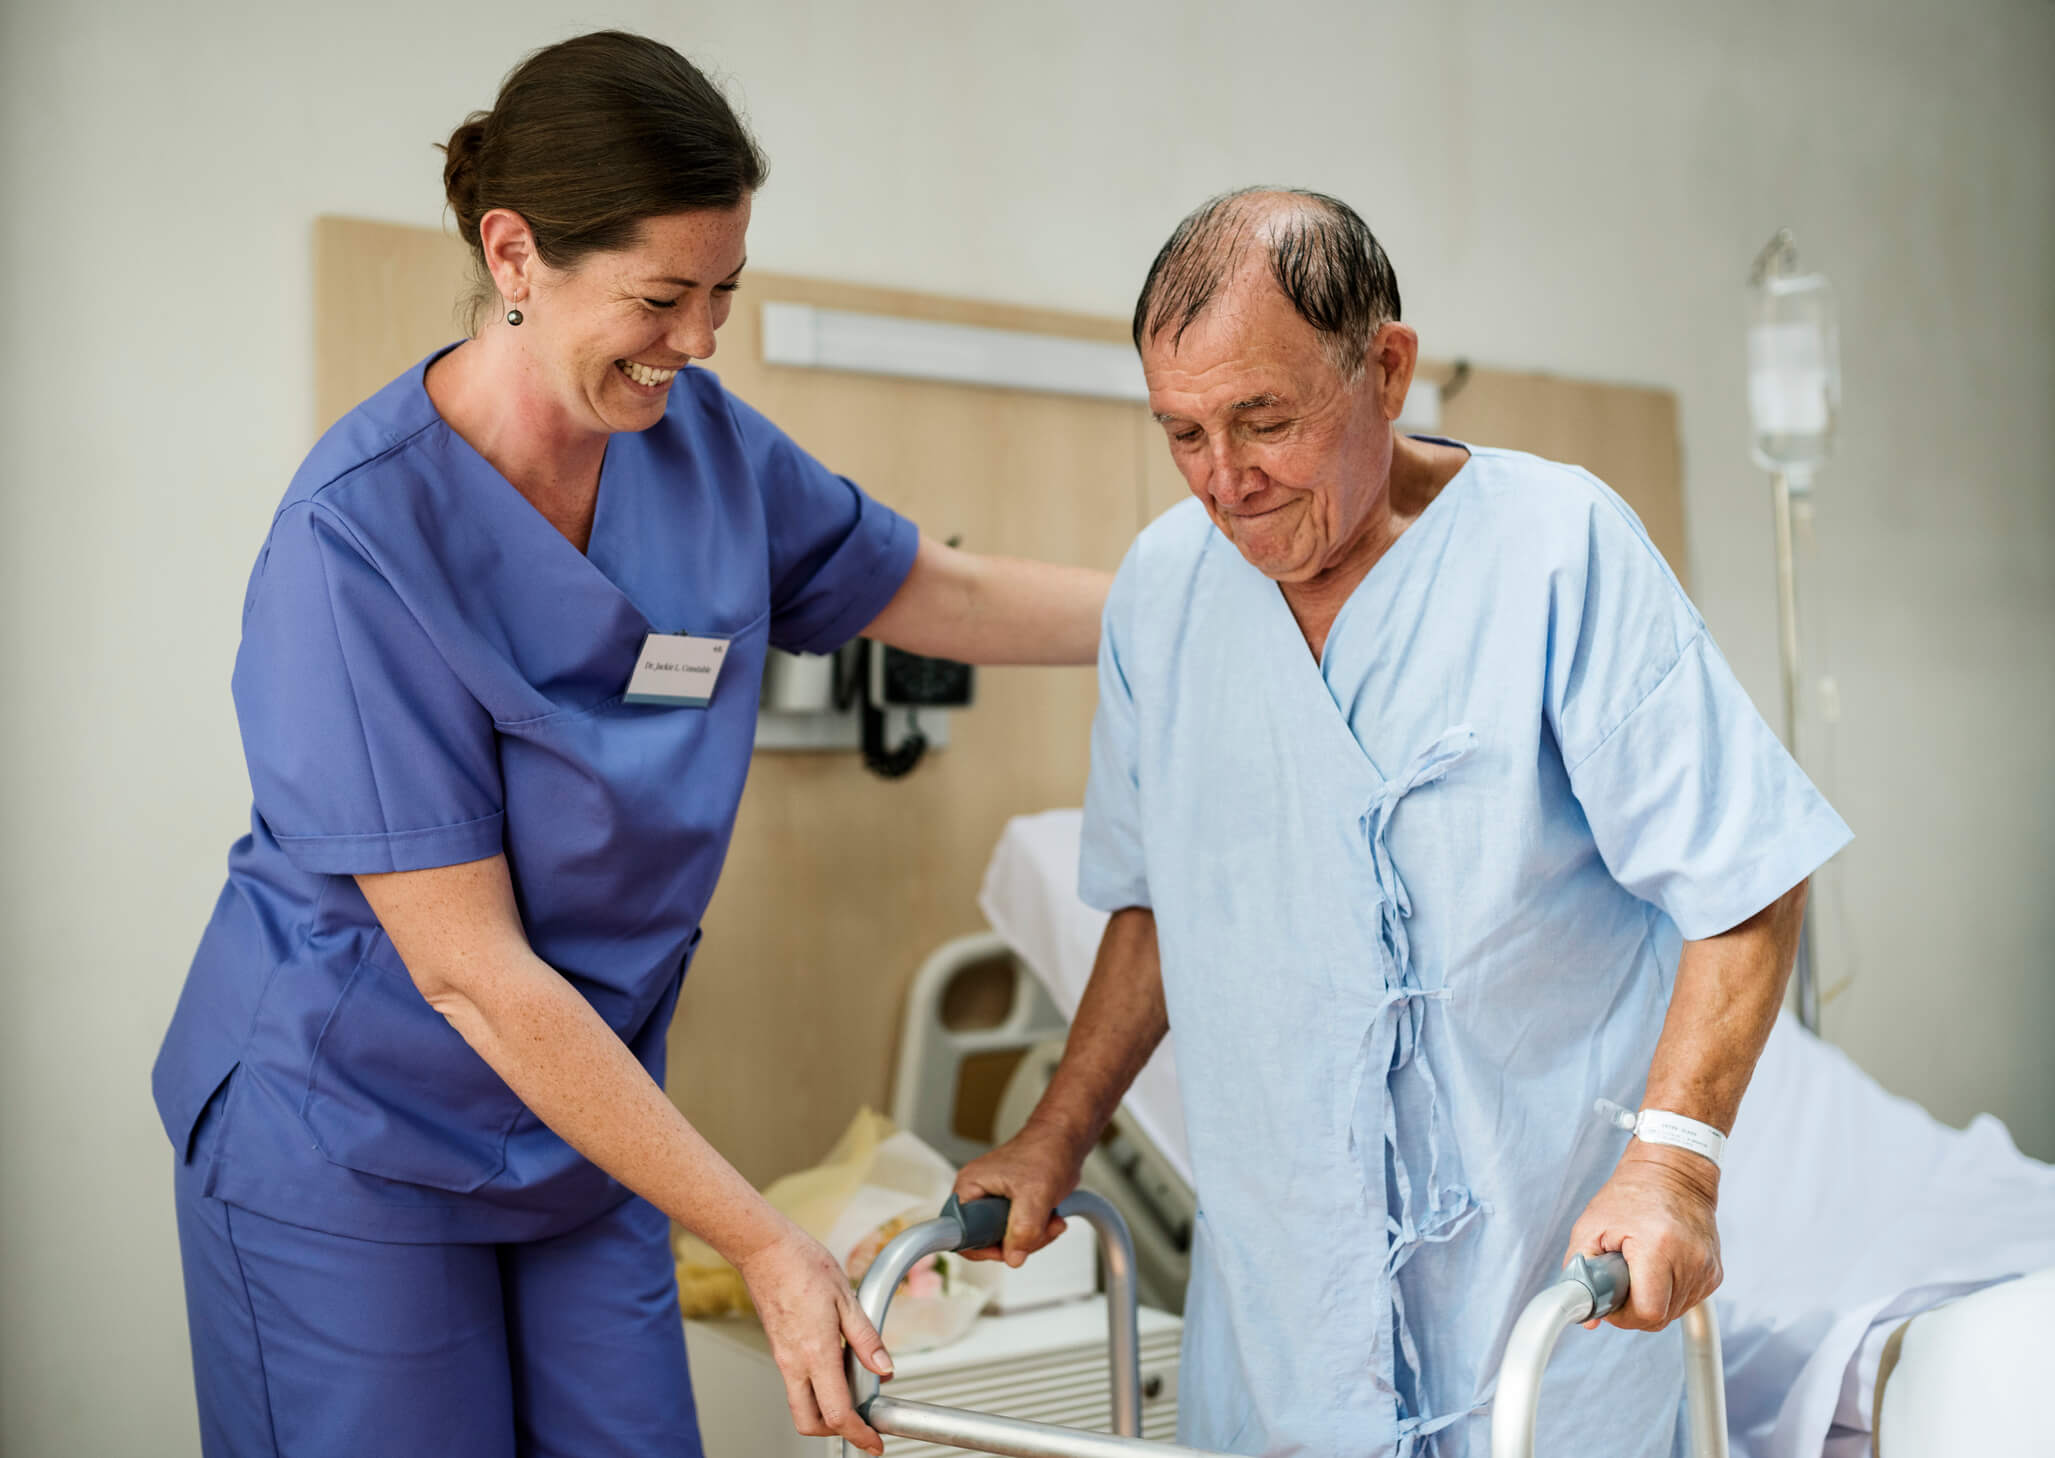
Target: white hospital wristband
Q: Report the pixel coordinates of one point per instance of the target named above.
(1659, 1126)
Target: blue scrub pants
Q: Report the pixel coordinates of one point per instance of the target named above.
(311, 1345)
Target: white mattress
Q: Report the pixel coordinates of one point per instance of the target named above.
(1843, 1209)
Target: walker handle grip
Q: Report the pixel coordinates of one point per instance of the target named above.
(982, 1221)
(1605, 1277)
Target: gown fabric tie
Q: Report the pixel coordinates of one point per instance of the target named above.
(1451, 1207)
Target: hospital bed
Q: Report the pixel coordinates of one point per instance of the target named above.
(1852, 1221)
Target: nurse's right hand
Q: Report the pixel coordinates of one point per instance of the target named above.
(808, 1310)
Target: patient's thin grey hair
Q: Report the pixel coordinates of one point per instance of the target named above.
(1322, 255)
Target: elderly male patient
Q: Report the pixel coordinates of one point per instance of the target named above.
(1428, 816)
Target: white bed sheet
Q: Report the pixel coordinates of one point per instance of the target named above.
(1030, 899)
(1843, 1209)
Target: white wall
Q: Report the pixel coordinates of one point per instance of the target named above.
(1577, 187)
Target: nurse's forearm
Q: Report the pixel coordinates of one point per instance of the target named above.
(1728, 990)
(458, 930)
(1120, 1021)
(558, 1055)
(996, 610)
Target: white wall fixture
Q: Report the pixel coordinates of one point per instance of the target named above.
(963, 354)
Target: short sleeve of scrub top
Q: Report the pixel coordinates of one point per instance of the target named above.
(1112, 875)
(1693, 801)
(831, 563)
(366, 753)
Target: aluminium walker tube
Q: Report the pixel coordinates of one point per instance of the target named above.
(979, 1224)
(1705, 1382)
(1015, 1437)
(1592, 1287)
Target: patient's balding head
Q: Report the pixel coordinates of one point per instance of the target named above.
(1321, 255)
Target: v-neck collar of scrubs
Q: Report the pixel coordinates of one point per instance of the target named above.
(1310, 676)
(523, 516)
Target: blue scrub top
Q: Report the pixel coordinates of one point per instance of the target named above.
(430, 673)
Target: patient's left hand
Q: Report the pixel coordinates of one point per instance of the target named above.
(1658, 1211)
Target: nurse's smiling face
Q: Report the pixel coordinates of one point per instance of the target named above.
(606, 336)
(1291, 460)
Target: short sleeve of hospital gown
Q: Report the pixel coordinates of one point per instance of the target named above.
(1111, 874)
(1693, 802)
(837, 555)
(365, 751)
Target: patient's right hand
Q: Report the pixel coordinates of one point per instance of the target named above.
(1036, 1169)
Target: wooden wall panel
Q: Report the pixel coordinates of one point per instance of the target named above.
(838, 884)
(384, 296)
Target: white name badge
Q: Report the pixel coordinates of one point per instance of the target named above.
(676, 669)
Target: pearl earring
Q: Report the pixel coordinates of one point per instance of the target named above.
(514, 317)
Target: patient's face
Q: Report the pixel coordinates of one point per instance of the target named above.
(1291, 461)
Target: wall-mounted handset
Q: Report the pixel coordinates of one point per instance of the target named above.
(866, 696)
(889, 705)
(891, 681)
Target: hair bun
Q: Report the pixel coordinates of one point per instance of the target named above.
(461, 158)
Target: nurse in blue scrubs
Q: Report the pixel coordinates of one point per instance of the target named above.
(425, 1163)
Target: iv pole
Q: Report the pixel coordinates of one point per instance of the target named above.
(1804, 972)
(1794, 391)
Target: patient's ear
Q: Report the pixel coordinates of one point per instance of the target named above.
(1388, 367)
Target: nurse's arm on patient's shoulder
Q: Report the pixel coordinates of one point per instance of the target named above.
(1658, 1207)
(979, 609)
(1120, 1021)
(459, 932)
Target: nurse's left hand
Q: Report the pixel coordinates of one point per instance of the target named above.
(1658, 1210)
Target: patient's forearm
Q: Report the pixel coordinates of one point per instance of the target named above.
(1728, 990)
(1659, 1207)
(1120, 1021)
(563, 1061)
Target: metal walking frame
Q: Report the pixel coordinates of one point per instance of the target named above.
(1590, 1287)
(974, 1226)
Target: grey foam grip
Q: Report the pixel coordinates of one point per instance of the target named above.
(983, 1221)
(1605, 1277)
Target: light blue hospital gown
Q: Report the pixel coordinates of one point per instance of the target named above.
(1419, 905)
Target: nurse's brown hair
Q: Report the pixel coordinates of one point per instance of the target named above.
(589, 139)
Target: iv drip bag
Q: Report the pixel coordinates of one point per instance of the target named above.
(1794, 366)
